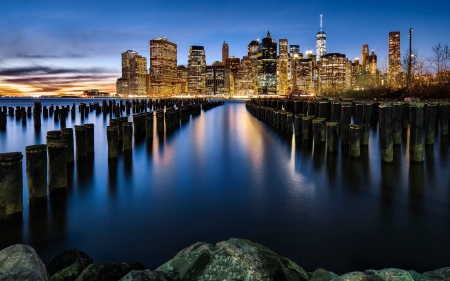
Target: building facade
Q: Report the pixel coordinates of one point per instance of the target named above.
(215, 79)
(243, 82)
(365, 57)
(394, 68)
(283, 67)
(163, 67)
(332, 73)
(253, 56)
(134, 75)
(321, 42)
(196, 71)
(267, 66)
(225, 53)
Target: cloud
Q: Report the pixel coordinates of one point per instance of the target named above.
(35, 70)
(45, 56)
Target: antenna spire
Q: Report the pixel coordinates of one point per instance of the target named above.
(321, 22)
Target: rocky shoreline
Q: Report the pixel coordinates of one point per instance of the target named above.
(234, 259)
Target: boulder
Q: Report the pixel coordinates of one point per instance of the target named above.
(68, 265)
(322, 275)
(422, 277)
(108, 271)
(145, 275)
(234, 259)
(394, 274)
(368, 275)
(441, 273)
(20, 262)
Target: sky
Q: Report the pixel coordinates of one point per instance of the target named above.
(66, 46)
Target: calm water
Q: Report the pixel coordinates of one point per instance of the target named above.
(225, 174)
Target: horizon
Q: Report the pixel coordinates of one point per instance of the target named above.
(70, 46)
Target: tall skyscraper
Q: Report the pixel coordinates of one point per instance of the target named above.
(253, 56)
(321, 42)
(394, 58)
(225, 53)
(332, 71)
(134, 75)
(373, 63)
(294, 53)
(267, 66)
(243, 83)
(163, 67)
(283, 67)
(365, 57)
(197, 70)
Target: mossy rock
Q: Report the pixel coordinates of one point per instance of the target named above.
(68, 265)
(108, 271)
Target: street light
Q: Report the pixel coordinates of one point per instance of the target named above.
(410, 56)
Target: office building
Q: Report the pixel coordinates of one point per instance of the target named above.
(365, 57)
(283, 67)
(267, 66)
(372, 61)
(196, 71)
(321, 42)
(134, 75)
(215, 79)
(163, 67)
(243, 82)
(225, 53)
(394, 58)
(332, 73)
(253, 56)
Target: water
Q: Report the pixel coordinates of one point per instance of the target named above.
(225, 174)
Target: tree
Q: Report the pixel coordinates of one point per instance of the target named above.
(440, 62)
(419, 68)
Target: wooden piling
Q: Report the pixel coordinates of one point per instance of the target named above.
(416, 141)
(332, 136)
(57, 164)
(11, 184)
(386, 140)
(36, 168)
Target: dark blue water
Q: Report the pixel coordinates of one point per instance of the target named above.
(225, 174)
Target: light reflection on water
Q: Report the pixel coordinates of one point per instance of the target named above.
(225, 174)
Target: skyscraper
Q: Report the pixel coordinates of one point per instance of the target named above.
(294, 54)
(163, 67)
(373, 63)
(197, 71)
(225, 53)
(365, 57)
(394, 58)
(253, 56)
(283, 66)
(134, 75)
(267, 66)
(321, 42)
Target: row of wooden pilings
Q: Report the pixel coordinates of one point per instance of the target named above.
(61, 150)
(329, 120)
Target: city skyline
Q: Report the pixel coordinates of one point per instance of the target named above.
(72, 46)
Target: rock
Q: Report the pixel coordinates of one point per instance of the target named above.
(368, 275)
(234, 259)
(421, 277)
(145, 275)
(394, 274)
(108, 271)
(322, 275)
(68, 265)
(441, 273)
(20, 262)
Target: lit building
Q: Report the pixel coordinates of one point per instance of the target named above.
(182, 74)
(394, 58)
(332, 73)
(308, 54)
(134, 74)
(321, 42)
(122, 86)
(196, 71)
(365, 57)
(305, 75)
(356, 70)
(267, 66)
(283, 67)
(225, 53)
(294, 52)
(243, 82)
(215, 79)
(163, 67)
(233, 63)
(373, 63)
(253, 56)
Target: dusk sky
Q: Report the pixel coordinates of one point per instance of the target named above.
(65, 46)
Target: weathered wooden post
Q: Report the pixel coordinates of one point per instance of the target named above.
(57, 164)
(365, 122)
(53, 135)
(160, 121)
(430, 122)
(443, 117)
(416, 142)
(306, 127)
(298, 123)
(113, 142)
(3, 119)
(386, 140)
(127, 136)
(346, 119)
(80, 142)
(11, 184)
(332, 136)
(36, 167)
(149, 126)
(355, 140)
(90, 141)
(397, 122)
(67, 135)
(311, 108)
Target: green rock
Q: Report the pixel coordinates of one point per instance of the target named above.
(421, 277)
(394, 274)
(108, 271)
(68, 265)
(322, 275)
(20, 263)
(234, 259)
(145, 275)
(441, 273)
(368, 275)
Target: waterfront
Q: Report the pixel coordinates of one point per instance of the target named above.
(225, 174)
